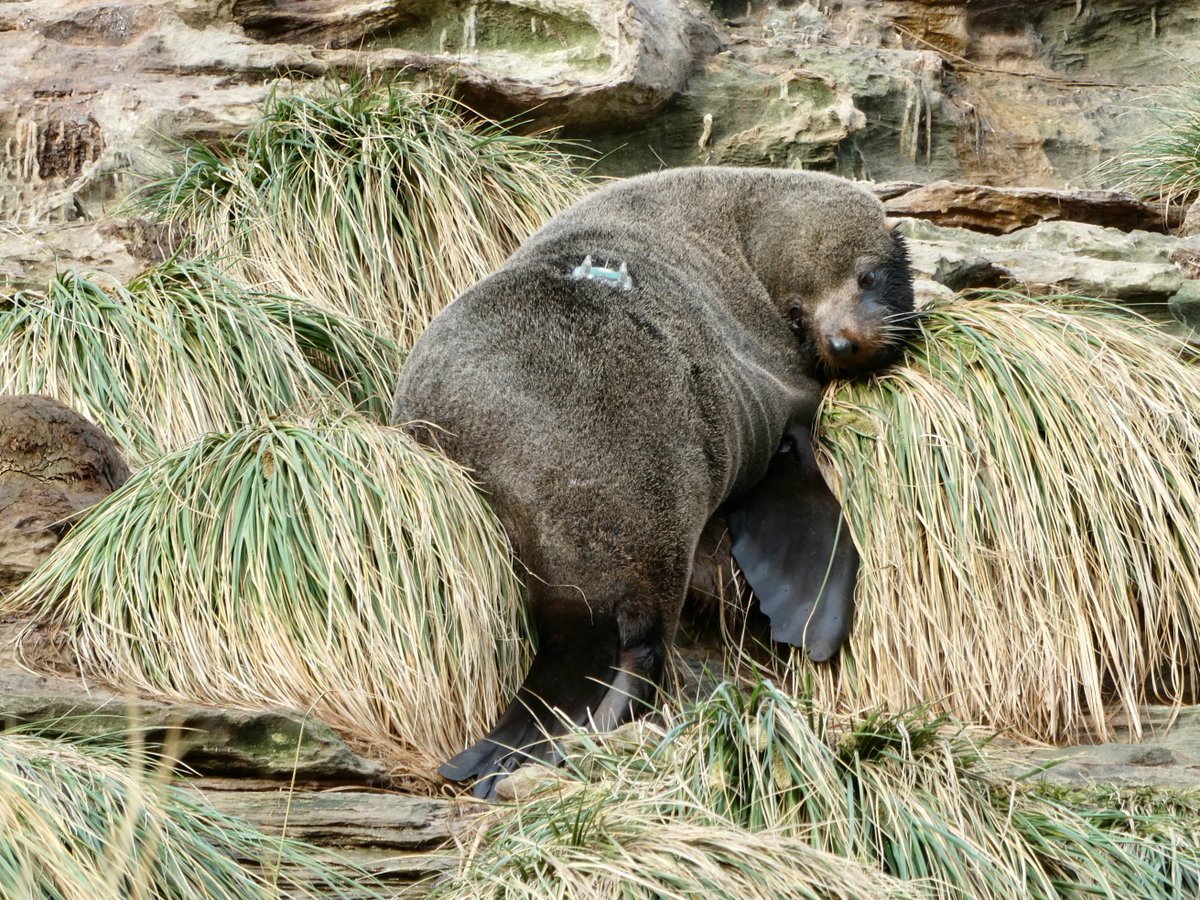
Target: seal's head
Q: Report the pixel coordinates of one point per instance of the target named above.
(838, 273)
(859, 321)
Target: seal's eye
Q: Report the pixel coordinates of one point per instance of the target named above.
(868, 279)
(795, 319)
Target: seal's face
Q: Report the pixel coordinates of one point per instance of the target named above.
(858, 320)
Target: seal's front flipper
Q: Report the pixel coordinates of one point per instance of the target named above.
(792, 545)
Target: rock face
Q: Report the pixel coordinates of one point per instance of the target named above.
(271, 744)
(92, 95)
(356, 818)
(997, 210)
(1152, 271)
(281, 770)
(998, 93)
(53, 465)
(1185, 307)
(989, 98)
(1167, 757)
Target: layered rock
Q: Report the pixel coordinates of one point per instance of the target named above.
(1167, 757)
(279, 769)
(92, 95)
(266, 744)
(1137, 267)
(996, 93)
(998, 210)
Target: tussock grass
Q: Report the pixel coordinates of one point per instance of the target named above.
(1166, 162)
(751, 773)
(376, 201)
(182, 351)
(1024, 491)
(909, 792)
(75, 823)
(324, 564)
(1160, 826)
(602, 841)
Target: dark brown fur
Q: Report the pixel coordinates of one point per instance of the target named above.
(607, 426)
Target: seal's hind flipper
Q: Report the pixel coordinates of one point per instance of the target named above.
(517, 738)
(794, 549)
(572, 680)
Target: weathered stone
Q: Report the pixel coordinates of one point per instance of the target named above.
(1003, 210)
(1185, 306)
(1188, 259)
(30, 256)
(274, 744)
(1098, 242)
(886, 190)
(265, 744)
(346, 818)
(45, 441)
(25, 540)
(569, 61)
(940, 25)
(403, 841)
(1138, 267)
(1042, 78)
(1126, 281)
(955, 265)
(527, 781)
(927, 291)
(1190, 227)
(786, 102)
(1064, 257)
(1167, 756)
(54, 464)
(948, 89)
(1068, 238)
(91, 94)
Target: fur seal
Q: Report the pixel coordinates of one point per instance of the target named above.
(650, 356)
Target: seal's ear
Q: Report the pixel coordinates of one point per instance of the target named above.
(795, 551)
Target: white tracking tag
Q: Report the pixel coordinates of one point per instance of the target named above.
(619, 277)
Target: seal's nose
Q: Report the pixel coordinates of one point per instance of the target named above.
(841, 346)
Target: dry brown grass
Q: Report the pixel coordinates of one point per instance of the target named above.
(330, 565)
(752, 792)
(376, 201)
(1025, 493)
(182, 351)
(81, 824)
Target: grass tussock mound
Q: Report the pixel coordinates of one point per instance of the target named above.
(376, 201)
(326, 565)
(1166, 162)
(597, 842)
(1024, 491)
(755, 785)
(182, 351)
(74, 824)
